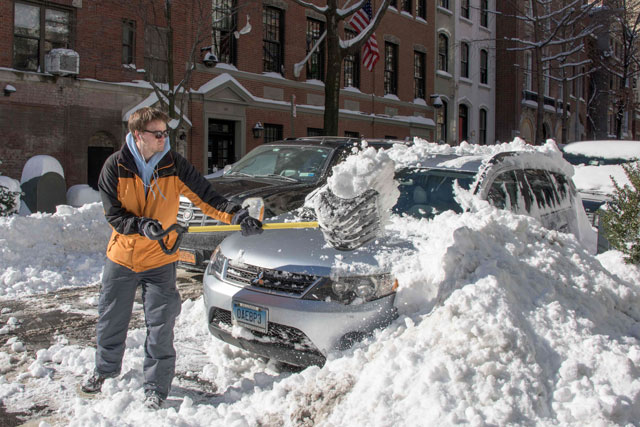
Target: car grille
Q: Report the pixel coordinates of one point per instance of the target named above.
(278, 334)
(272, 280)
(191, 216)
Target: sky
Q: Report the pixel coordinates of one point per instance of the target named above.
(501, 321)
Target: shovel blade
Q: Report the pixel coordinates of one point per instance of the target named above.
(348, 224)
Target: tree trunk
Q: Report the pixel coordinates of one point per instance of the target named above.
(332, 80)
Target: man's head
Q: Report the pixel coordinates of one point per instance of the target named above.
(149, 129)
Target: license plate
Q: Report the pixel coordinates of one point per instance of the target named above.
(187, 256)
(250, 316)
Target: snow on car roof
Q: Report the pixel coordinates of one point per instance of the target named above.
(606, 149)
(471, 157)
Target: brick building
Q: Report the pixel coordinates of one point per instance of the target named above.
(78, 115)
(565, 80)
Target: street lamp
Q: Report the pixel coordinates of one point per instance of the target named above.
(257, 130)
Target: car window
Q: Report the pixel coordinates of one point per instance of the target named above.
(562, 185)
(301, 163)
(541, 187)
(581, 159)
(503, 193)
(425, 193)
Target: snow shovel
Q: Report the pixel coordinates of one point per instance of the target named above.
(159, 235)
(346, 224)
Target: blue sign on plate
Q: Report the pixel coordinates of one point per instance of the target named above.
(250, 316)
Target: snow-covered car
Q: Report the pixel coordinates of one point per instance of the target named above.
(279, 173)
(290, 296)
(595, 163)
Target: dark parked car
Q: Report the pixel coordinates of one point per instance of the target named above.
(281, 173)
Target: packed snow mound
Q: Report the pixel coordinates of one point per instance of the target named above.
(82, 194)
(44, 252)
(38, 166)
(501, 322)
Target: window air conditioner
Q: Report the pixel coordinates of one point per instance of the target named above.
(62, 62)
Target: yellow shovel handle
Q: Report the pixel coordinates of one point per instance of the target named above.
(267, 226)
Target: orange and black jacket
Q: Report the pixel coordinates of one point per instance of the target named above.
(125, 202)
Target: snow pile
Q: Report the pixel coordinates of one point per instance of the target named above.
(82, 194)
(501, 322)
(44, 252)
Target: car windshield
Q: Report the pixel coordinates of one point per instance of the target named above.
(300, 163)
(425, 193)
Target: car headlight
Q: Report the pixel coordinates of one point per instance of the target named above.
(347, 290)
(216, 263)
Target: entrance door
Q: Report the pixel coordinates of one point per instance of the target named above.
(96, 156)
(221, 149)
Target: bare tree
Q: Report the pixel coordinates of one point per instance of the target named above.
(337, 50)
(619, 59)
(168, 76)
(554, 34)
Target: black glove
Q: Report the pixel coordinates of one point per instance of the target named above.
(248, 224)
(148, 227)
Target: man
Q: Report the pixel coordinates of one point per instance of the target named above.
(140, 187)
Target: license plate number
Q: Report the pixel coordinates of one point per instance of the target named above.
(187, 256)
(250, 316)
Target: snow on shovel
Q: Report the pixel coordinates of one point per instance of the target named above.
(355, 204)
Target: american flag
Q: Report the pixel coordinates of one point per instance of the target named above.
(359, 21)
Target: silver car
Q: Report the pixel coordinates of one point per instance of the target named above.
(287, 295)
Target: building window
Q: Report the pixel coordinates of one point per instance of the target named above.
(421, 9)
(36, 31)
(350, 134)
(155, 53)
(443, 3)
(224, 24)
(482, 125)
(441, 123)
(406, 6)
(273, 39)
(351, 64)
(484, 67)
(128, 42)
(315, 64)
(463, 123)
(390, 68)
(464, 8)
(484, 13)
(443, 53)
(272, 132)
(315, 132)
(419, 63)
(464, 59)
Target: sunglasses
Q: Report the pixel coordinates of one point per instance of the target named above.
(158, 133)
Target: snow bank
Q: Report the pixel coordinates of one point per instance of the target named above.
(82, 194)
(44, 252)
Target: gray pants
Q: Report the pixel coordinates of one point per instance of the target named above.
(162, 305)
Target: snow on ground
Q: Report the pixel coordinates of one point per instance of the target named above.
(501, 322)
(45, 252)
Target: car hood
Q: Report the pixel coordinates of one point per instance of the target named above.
(305, 251)
(241, 187)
